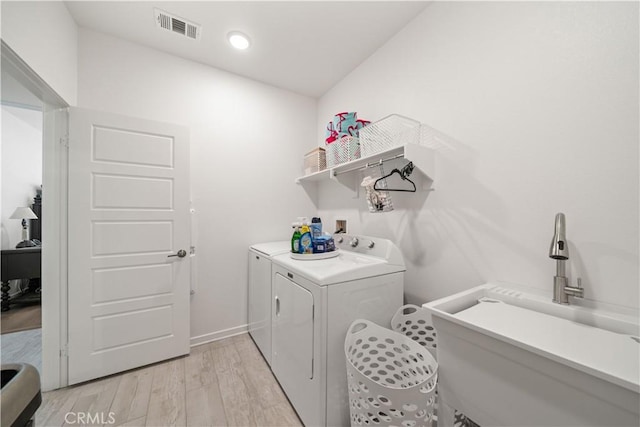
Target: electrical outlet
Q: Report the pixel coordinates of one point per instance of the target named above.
(341, 226)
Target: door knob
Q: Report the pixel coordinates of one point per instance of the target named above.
(180, 254)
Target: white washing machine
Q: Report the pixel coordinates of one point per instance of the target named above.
(314, 302)
(259, 295)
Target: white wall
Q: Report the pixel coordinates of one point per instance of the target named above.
(247, 145)
(541, 103)
(45, 36)
(21, 147)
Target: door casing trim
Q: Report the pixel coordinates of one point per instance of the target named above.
(54, 218)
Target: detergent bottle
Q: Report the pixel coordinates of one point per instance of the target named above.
(306, 239)
(295, 239)
(316, 227)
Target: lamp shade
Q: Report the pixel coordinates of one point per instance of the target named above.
(23, 213)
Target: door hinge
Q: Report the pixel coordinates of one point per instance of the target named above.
(64, 141)
(64, 351)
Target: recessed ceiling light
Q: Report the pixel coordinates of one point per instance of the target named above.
(238, 40)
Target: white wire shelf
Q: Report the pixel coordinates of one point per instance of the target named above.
(421, 156)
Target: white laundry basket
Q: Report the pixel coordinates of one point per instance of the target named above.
(415, 322)
(391, 379)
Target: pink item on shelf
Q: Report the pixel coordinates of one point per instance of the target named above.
(362, 123)
(344, 124)
(330, 135)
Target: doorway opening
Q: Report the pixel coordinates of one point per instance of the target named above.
(34, 217)
(20, 225)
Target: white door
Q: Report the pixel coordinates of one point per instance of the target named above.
(128, 216)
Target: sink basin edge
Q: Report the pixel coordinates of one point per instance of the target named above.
(613, 324)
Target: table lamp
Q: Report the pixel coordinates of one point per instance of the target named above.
(24, 214)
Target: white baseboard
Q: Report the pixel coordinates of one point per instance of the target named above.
(218, 335)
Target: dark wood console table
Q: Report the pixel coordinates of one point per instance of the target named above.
(21, 263)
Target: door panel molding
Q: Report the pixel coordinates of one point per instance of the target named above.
(129, 189)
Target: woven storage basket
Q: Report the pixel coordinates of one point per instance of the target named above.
(315, 161)
(343, 150)
(389, 132)
(391, 378)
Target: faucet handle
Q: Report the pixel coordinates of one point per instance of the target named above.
(575, 291)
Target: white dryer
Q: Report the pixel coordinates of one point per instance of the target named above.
(259, 294)
(314, 302)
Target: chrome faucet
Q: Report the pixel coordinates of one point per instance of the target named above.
(559, 251)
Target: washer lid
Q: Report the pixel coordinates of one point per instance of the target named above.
(272, 248)
(345, 267)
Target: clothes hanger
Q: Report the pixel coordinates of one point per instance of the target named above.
(404, 174)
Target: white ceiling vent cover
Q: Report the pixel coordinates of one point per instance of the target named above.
(177, 25)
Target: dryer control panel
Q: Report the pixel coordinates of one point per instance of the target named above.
(371, 246)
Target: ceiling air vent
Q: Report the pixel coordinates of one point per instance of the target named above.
(177, 25)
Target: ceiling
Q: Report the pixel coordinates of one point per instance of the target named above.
(303, 46)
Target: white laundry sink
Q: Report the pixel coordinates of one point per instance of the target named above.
(509, 356)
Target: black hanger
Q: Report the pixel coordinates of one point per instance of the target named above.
(404, 174)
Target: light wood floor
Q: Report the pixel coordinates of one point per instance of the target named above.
(21, 318)
(22, 347)
(224, 383)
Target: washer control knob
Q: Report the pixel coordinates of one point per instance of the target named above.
(354, 242)
(340, 239)
(371, 244)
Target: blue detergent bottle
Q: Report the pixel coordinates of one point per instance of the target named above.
(316, 227)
